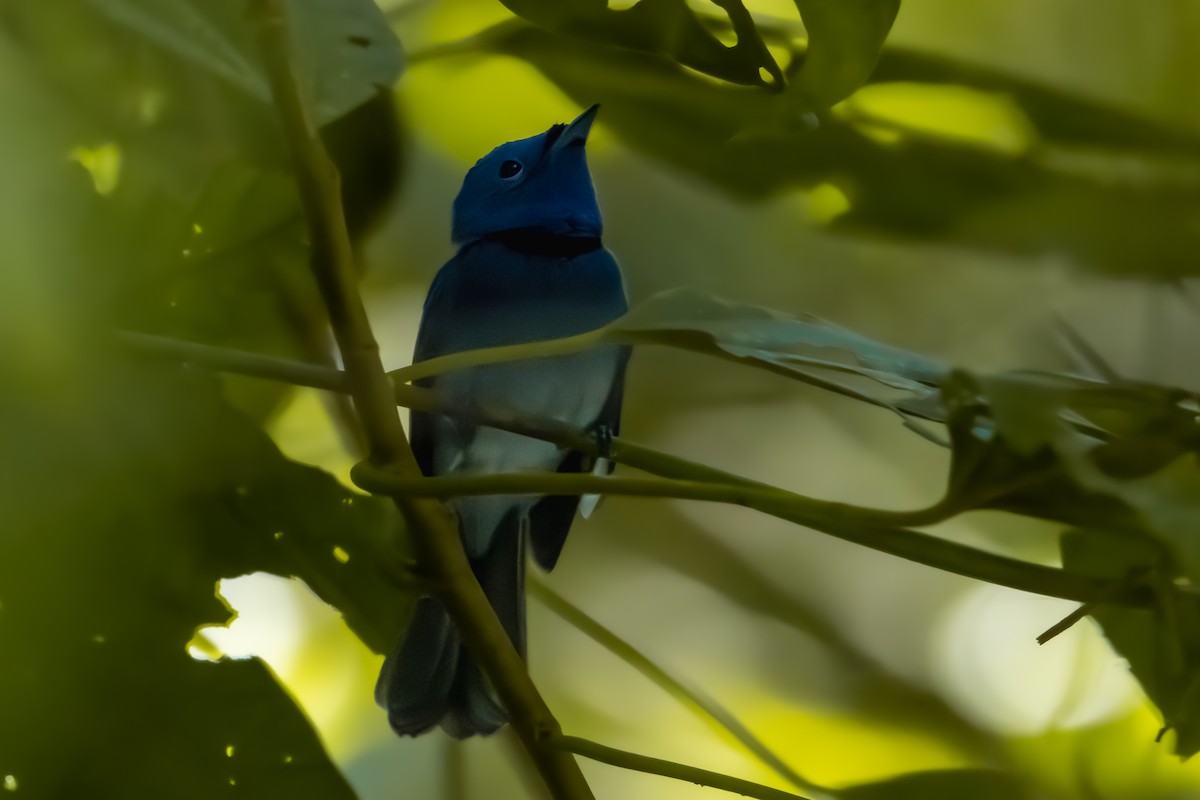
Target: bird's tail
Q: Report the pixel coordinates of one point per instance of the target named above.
(430, 679)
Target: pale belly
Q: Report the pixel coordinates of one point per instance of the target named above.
(568, 389)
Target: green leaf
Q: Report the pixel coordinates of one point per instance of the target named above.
(345, 48)
(1077, 450)
(803, 347)
(1161, 644)
(950, 784)
(844, 40)
(200, 234)
(1164, 503)
(668, 28)
(126, 510)
(1129, 443)
(349, 549)
(219, 260)
(131, 489)
(1117, 462)
(1053, 198)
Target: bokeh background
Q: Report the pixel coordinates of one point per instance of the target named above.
(851, 665)
(839, 658)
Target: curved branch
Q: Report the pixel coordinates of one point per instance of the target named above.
(878, 530)
(886, 531)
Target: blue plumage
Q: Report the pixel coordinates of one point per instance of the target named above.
(530, 267)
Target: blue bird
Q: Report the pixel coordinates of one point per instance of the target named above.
(530, 267)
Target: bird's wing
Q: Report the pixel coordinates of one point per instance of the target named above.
(550, 520)
(433, 340)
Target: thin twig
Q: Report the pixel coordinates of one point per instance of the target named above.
(1065, 624)
(672, 769)
(1112, 593)
(613, 334)
(452, 362)
(238, 362)
(1082, 351)
(434, 528)
(707, 708)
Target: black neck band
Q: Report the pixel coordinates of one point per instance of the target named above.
(540, 243)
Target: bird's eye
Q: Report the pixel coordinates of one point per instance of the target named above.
(510, 169)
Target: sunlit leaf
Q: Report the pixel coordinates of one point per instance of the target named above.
(666, 27)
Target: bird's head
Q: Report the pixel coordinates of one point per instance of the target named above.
(539, 184)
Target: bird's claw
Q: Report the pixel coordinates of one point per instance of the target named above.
(604, 435)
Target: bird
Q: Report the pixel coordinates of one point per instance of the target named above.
(530, 267)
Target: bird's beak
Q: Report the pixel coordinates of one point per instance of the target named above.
(577, 132)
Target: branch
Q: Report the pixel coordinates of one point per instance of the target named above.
(886, 531)
(496, 355)
(707, 708)
(866, 527)
(613, 334)
(238, 362)
(434, 528)
(299, 373)
(671, 769)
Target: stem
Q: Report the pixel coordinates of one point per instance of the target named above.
(285, 370)
(1066, 623)
(707, 708)
(434, 528)
(672, 769)
(612, 335)
(865, 527)
(454, 772)
(495, 355)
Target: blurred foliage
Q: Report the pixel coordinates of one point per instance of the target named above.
(146, 188)
(983, 784)
(131, 489)
(99, 602)
(1053, 174)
